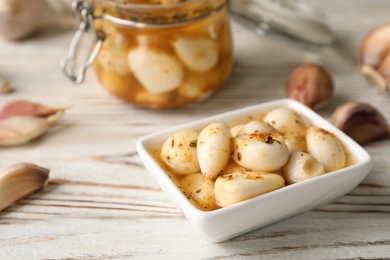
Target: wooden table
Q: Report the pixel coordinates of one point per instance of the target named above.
(101, 203)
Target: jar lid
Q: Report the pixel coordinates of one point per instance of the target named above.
(290, 21)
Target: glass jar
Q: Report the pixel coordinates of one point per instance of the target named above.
(170, 53)
(161, 55)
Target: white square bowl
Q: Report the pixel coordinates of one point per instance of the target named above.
(225, 223)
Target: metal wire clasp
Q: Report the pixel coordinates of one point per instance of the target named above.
(75, 65)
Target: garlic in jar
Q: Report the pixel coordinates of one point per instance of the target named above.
(198, 54)
(260, 152)
(326, 148)
(301, 166)
(214, 149)
(158, 72)
(179, 152)
(285, 120)
(235, 187)
(199, 189)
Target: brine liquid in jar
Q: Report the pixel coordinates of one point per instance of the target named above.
(171, 54)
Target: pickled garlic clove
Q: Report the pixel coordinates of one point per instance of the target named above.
(326, 148)
(199, 54)
(361, 121)
(158, 72)
(261, 152)
(179, 152)
(285, 120)
(295, 142)
(27, 108)
(301, 166)
(19, 180)
(257, 126)
(237, 130)
(232, 188)
(199, 189)
(112, 57)
(214, 149)
(18, 130)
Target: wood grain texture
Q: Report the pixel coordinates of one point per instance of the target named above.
(102, 204)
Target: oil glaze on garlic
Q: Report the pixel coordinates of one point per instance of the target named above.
(214, 149)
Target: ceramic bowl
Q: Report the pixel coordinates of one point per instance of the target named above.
(225, 223)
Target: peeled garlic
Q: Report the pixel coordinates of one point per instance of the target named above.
(361, 121)
(112, 56)
(257, 126)
(301, 166)
(261, 152)
(199, 189)
(232, 188)
(285, 120)
(19, 180)
(27, 108)
(214, 149)
(237, 130)
(199, 54)
(326, 148)
(179, 152)
(295, 142)
(158, 72)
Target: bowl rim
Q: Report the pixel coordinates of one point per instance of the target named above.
(362, 157)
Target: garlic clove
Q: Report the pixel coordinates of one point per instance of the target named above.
(374, 56)
(232, 188)
(285, 120)
(198, 54)
(257, 126)
(199, 189)
(27, 108)
(5, 87)
(18, 130)
(19, 180)
(325, 148)
(311, 85)
(179, 152)
(263, 152)
(361, 121)
(295, 142)
(214, 149)
(237, 130)
(158, 72)
(301, 166)
(375, 46)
